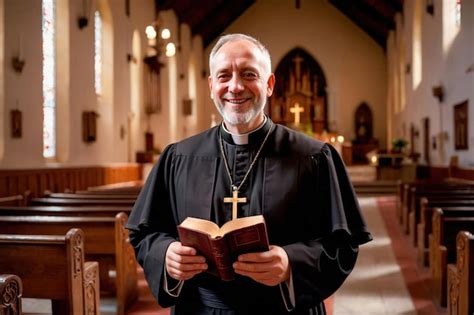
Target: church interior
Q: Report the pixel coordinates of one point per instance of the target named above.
(389, 83)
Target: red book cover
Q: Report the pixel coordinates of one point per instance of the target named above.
(222, 246)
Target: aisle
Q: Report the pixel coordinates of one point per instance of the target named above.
(376, 285)
(146, 304)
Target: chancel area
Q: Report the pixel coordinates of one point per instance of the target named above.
(93, 92)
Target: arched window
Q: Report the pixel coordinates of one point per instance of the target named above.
(49, 78)
(451, 22)
(417, 51)
(98, 53)
(458, 13)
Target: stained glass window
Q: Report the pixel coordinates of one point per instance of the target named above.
(458, 13)
(417, 45)
(49, 78)
(98, 52)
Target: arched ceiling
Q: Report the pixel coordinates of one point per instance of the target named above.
(209, 18)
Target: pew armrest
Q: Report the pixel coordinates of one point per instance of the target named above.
(440, 275)
(421, 246)
(11, 289)
(453, 289)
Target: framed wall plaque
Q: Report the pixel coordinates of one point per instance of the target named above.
(89, 126)
(461, 126)
(16, 124)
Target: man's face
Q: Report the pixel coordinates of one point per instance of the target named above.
(238, 82)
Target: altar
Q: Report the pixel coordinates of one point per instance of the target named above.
(394, 166)
(299, 99)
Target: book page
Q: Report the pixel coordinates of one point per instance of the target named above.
(201, 225)
(209, 227)
(240, 223)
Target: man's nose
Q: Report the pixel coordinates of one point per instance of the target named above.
(236, 84)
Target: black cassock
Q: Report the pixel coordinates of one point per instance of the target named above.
(301, 187)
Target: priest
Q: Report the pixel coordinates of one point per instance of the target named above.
(245, 166)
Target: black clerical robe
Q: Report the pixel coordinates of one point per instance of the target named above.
(301, 187)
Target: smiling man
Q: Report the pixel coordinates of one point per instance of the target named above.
(240, 82)
(298, 184)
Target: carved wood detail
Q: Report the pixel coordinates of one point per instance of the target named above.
(78, 246)
(11, 290)
(91, 288)
(453, 289)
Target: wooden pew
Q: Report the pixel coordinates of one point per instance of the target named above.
(78, 211)
(461, 277)
(122, 192)
(375, 188)
(123, 187)
(424, 228)
(408, 189)
(16, 200)
(106, 241)
(415, 193)
(52, 267)
(81, 202)
(89, 196)
(446, 226)
(436, 199)
(403, 192)
(11, 290)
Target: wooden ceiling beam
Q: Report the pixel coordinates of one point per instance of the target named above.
(220, 18)
(367, 20)
(382, 9)
(199, 11)
(161, 5)
(209, 18)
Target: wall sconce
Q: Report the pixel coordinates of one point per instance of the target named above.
(159, 44)
(83, 19)
(438, 92)
(131, 58)
(430, 7)
(18, 62)
(470, 68)
(82, 22)
(16, 121)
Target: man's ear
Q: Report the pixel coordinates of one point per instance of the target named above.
(209, 80)
(270, 84)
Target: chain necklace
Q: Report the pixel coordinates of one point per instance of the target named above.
(235, 189)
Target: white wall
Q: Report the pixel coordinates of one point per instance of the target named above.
(77, 74)
(3, 129)
(23, 91)
(445, 65)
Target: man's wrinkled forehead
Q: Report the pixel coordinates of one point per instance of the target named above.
(244, 52)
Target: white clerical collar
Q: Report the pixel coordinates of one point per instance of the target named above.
(243, 138)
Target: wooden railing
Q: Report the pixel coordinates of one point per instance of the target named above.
(62, 179)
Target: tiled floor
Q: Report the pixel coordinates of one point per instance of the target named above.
(376, 285)
(387, 279)
(417, 279)
(146, 304)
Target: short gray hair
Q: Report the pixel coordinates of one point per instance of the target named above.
(236, 37)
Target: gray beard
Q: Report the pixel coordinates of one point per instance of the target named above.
(233, 119)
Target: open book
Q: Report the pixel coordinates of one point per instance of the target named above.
(222, 246)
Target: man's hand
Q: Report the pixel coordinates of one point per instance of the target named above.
(270, 268)
(182, 263)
